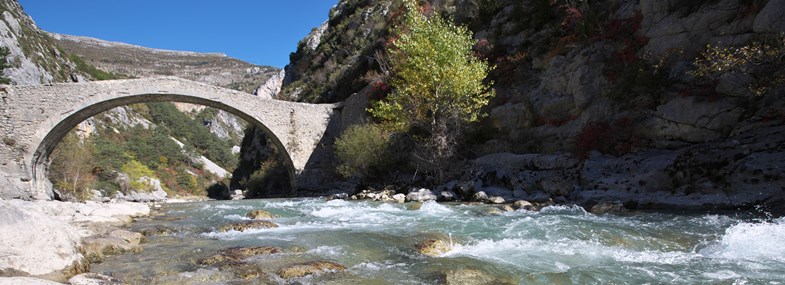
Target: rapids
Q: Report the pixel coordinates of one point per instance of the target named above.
(377, 243)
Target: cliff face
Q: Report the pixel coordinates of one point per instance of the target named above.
(636, 93)
(33, 57)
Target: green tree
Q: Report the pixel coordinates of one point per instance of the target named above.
(71, 167)
(438, 84)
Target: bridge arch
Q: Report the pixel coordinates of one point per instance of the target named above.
(38, 117)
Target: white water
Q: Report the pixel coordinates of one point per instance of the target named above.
(558, 245)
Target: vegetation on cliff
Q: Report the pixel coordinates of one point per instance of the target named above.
(93, 161)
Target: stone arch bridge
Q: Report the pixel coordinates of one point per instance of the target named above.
(35, 118)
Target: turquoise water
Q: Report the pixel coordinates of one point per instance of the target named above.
(377, 243)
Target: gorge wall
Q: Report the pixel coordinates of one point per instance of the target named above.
(656, 103)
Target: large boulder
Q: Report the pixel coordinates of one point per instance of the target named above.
(34, 243)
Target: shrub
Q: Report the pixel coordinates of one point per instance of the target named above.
(4, 52)
(363, 151)
(135, 171)
(762, 59)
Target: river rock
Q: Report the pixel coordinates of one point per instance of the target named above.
(237, 195)
(236, 254)
(310, 268)
(480, 197)
(495, 200)
(466, 277)
(494, 211)
(399, 198)
(420, 195)
(96, 248)
(259, 215)
(434, 247)
(447, 196)
(507, 208)
(339, 196)
(158, 230)
(523, 204)
(91, 278)
(246, 225)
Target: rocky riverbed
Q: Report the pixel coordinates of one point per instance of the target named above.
(46, 241)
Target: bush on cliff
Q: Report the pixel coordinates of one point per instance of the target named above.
(363, 151)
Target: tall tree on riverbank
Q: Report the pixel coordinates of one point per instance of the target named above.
(438, 84)
(71, 168)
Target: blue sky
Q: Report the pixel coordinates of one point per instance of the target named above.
(261, 32)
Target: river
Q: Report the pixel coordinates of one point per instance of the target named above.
(377, 243)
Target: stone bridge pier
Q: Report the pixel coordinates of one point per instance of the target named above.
(35, 119)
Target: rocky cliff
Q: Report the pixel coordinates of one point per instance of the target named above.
(33, 56)
(656, 103)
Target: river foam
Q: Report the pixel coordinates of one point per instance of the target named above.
(764, 241)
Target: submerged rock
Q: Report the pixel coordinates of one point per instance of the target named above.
(494, 211)
(259, 215)
(242, 226)
(236, 254)
(466, 277)
(414, 206)
(158, 230)
(117, 242)
(434, 247)
(310, 268)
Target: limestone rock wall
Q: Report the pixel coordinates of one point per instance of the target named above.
(33, 56)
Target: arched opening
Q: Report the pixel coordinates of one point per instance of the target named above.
(60, 128)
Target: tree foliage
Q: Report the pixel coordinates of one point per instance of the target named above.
(71, 167)
(439, 85)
